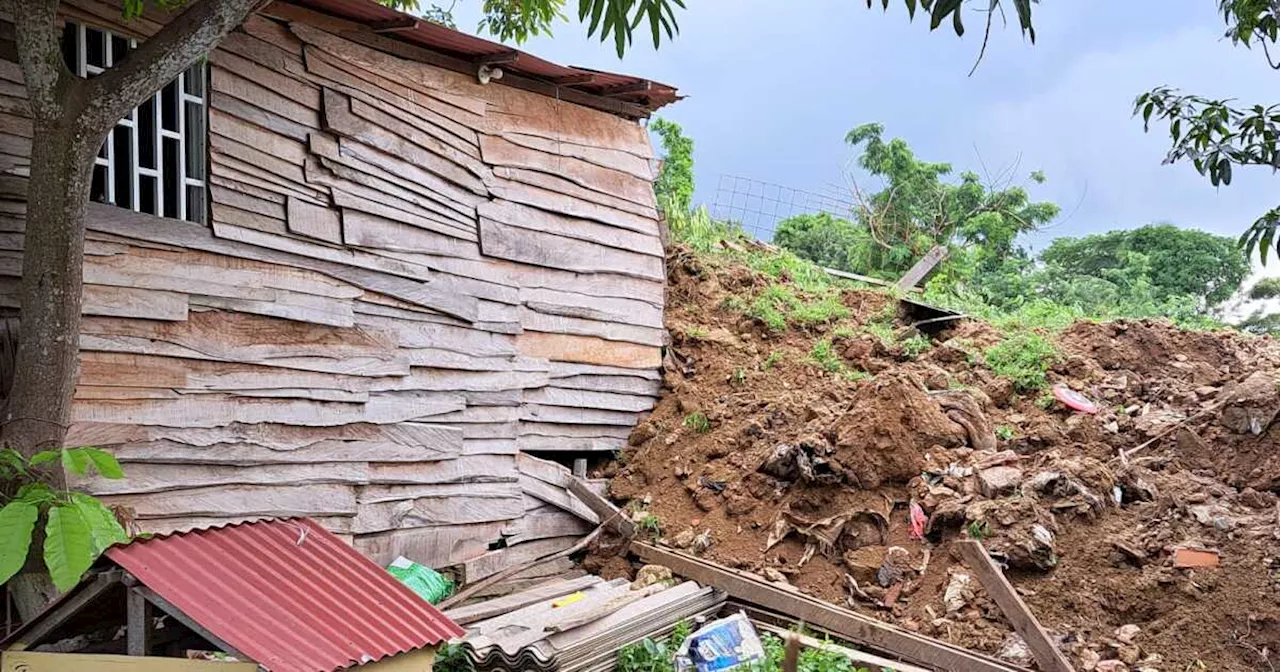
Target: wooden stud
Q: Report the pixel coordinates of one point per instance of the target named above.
(168, 607)
(138, 622)
(1047, 656)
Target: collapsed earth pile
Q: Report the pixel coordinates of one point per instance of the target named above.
(824, 443)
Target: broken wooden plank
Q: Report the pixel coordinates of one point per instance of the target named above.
(435, 547)
(314, 221)
(922, 268)
(602, 507)
(242, 500)
(542, 249)
(1047, 656)
(916, 649)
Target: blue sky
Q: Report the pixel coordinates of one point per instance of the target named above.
(773, 87)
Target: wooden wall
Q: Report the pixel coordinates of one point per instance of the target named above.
(409, 278)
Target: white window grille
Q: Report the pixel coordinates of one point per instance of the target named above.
(155, 160)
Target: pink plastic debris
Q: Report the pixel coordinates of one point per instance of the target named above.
(1074, 400)
(917, 521)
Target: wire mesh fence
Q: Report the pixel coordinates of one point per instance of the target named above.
(759, 206)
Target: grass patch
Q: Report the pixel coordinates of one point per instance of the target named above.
(739, 377)
(845, 332)
(698, 230)
(1004, 433)
(883, 331)
(698, 422)
(696, 332)
(771, 361)
(915, 346)
(825, 357)
(821, 311)
(1024, 358)
(650, 524)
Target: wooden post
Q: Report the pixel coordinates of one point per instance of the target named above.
(922, 268)
(1014, 609)
(138, 621)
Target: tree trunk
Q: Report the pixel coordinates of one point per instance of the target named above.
(39, 404)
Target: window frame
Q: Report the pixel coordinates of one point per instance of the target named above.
(187, 141)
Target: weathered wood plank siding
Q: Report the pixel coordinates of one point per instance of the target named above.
(408, 277)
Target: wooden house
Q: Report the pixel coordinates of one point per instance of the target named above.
(353, 268)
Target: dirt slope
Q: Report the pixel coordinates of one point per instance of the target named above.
(807, 475)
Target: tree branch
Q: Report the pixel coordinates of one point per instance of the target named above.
(182, 42)
(40, 54)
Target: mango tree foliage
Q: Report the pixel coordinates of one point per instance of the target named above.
(915, 210)
(1176, 261)
(1215, 136)
(674, 186)
(518, 20)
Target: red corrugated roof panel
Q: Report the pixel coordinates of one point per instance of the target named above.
(286, 593)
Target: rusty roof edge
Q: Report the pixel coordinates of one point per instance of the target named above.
(401, 43)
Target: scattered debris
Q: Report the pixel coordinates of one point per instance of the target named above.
(1194, 558)
(1087, 510)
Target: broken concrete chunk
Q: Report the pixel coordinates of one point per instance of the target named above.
(1251, 405)
(650, 575)
(996, 481)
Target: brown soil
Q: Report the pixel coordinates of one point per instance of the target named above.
(808, 476)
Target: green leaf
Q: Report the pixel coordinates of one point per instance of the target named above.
(104, 529)
(911, 9)
(957, 23)
(17, 520)
(597, 10)
(45, 456)
(36, 494)
(75, 461)
(68, 546)
(104, 462)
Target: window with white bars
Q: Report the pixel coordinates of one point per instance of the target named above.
(155, 160)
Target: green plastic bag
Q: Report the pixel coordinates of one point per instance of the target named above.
(429, 584)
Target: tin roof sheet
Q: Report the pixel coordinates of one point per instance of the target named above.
(286, 593)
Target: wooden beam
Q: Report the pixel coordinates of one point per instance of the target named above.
(607, 512)
(394, 25)
(863, 630)
(138, 622)
(575, 80)
(501, 58)
(87, 591)
(168, 607)
(922, 268)
(627, 89)
(1048, 657)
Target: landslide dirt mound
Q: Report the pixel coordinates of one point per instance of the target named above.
(805, 465)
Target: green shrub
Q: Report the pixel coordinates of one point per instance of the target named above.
(1024, 358)
(1004, 433)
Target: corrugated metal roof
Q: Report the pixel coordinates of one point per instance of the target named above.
(286, 593)
(644, 93)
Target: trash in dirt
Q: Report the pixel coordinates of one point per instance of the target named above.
(1014, 649)
(714, 486)
(568, 600)
(958, 593)
(649, 575)
(720, 645)
(1074, 400)
(916, 520)
(427, 583)
(1195, 558)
